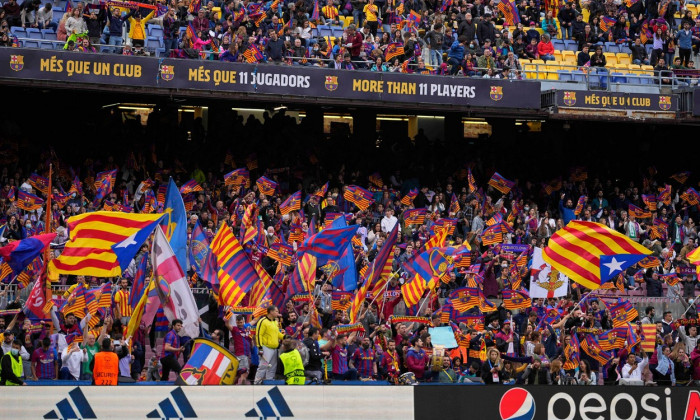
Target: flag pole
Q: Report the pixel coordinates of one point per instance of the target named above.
(383, 289)
(47, 252)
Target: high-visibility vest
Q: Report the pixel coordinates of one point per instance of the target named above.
(17, 368)
(106, 371)
(293, 367)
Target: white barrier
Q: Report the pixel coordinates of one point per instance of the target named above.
(208, 402)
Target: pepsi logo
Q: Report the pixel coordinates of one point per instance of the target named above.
(517, 404)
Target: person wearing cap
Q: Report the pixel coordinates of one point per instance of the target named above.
(507, 340)
(9, 338)
(485, 29)
(137, 31)
(535, 373)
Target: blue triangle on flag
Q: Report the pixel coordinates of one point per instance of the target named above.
(612, 265)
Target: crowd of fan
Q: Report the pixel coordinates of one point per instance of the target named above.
(414, 36)
(521, 349)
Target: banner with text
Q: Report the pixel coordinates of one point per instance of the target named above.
(616, 100)
(267, 79)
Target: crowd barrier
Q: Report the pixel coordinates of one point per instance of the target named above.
(424, 402)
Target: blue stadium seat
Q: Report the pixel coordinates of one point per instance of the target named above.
(565, 76)
(183, 29)
(611, 47)
(625, 49)
(18, 31)
(46, 45)
(570, 45)
(30, 44)
(634, 79)
(326, 31)
(104, 49)
(49, 34)
(156, 31)
(578, 76)
(59, 45)
(648, 80)
(558, 44)
(61, 4)
(649, 47)
(619, 78)
(34, 33)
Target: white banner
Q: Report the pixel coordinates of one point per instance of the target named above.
(176, 295)
(544, 281)
(311, 402)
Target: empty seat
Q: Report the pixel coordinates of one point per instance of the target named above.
(634, 79)
(558, 44)
(153, 44)
(557, 55)
(565, 76)
(29, 43)
(578, 76)
(34, 33)
(570, 45)
(156, 31)
(610, 58)
(46, 45)
(619, 78)
(19, 32)
(623, 58)
(611, 47)
(49, 34)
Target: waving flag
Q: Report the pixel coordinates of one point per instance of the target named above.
(266, 186)
(545, 281)
(199, 248)
(36, 301)
(75, 304)
(454, 205)
(236, 274)
(510, 12)
(104, 184)
(415, 216)
(394, 49)
(665, 195)
(238, 177)
(516, 299)
(139, 286)
(292, 203)
(102, 243)
(281, 253)
(190, 187)
(358, 196)
(579, 205)
(501, 184)
(650, 201)
(322, 191)
(591, 254)
(464, 298)
(19, 254)
(39, 183)
(28, 202)
(681, 177)
(329, 243)
(607, 23)
(407, 199)
(638, 213)
(591, 346)
(622, 313)
(572, 352)
(209, 364)
(492, 235)
(345, 264)
(340, 301)
(253, 55)
(175, 223)
(172, 288)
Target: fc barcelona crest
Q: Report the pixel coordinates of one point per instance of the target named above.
(665, 102)
(496, 93)
(167, 73)
(16, 62)
(569, 98)
(331, 83)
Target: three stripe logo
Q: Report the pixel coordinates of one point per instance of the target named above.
(168, 408)
(272, 406)
(75, 406)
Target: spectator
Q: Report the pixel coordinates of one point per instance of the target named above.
(11, 371)
(44, 364)
(545, 49)
(171, 350)
(268, 338)
(116, 24)
(137, 28)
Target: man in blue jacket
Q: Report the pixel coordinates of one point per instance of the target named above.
(116, 23)
(455, 56)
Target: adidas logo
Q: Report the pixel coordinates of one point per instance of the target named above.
(168, 408)
(73, 407)
(272, 406)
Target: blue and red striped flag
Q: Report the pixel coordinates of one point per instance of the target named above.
(414, 216)
(606, 23)
(358, 196)
(190, 187)
(139, 286)
(266, 186)
(329, 243)
(39, 183)
(501, 184)
(238, 177)
(236, 274)
(292, 203)
(28, 202)
(407, 199)
(281, 253)
(253, 55)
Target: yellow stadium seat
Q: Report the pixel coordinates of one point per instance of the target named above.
(693, 9)
(552, 72)
(530, 70)
(610, 58)
(624, 58)
(537, 61)
(539, 30)
(558, 55)
(348, 21)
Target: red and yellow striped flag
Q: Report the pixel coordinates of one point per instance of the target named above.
(590, 253)
(413, 290)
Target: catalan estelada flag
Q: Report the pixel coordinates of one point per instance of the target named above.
(590, 253)
(516, 299)
(103, 243)
(236, 274)
(358, 196)
(407, 199)
(292, 203)
(501, 184)
(28, 202)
